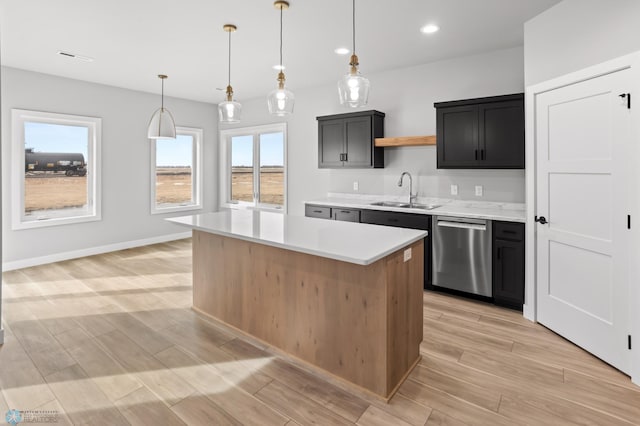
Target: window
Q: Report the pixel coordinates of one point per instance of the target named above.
(176, 172)
(254, 167)
(56, 169)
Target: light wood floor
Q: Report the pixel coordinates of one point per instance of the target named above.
(111, 340)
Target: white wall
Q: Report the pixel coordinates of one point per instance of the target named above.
(125, 161)
(575, 34)
(571, 36)
(406, 96)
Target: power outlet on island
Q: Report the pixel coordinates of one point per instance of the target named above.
(407, 255)
(479, 191)
(454, 189)
(356, 186)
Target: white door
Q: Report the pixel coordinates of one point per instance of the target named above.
(583, 134)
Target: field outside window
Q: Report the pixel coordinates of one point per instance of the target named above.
(256, 176)
(55, 178)
(176, 172)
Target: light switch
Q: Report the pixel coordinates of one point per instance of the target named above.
(407, 254)
(478, 190)
(454, 189)
(355, 185)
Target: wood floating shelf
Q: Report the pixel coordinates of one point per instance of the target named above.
(406, 141)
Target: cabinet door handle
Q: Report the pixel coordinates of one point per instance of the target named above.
(317, 211)
(345, 157)
(392, 220)
(482, 154)
(476, 154)
(345, 211)
(499, 252)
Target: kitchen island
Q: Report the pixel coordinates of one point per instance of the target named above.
(344, 298)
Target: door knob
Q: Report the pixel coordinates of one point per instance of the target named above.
(542, 220)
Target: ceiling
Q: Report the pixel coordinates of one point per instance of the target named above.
(134, 40)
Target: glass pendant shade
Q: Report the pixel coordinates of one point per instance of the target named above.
(353, 90)
(280, 102)
(229, 112)
(162, 125)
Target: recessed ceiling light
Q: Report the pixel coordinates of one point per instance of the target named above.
(430, 29)
(75, 56)
(342, 51)
(278, 67)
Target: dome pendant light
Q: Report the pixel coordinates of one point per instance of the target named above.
(162, 125)
(353, 88)
(229, 111)
(281, 100)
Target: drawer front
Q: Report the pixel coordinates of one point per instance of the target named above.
(399, 220)
(346, 215)
(321, 212)
(508, 230)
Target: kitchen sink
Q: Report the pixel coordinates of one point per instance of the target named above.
(426, 206)
(390, 204)
(405, 205)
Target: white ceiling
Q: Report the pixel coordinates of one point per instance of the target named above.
(134, 40)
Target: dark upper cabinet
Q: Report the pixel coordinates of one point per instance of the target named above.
(347, 140)
(483, 133)
(508, 264)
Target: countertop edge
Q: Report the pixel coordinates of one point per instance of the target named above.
(439, 211)
(365, 262)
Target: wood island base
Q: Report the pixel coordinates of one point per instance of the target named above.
(362, 324)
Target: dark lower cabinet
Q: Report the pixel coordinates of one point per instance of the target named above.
(335, 213)
(404, 220)
(508, 264)
(345, 215)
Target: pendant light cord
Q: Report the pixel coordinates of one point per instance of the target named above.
(354, 27)
(281, 38)
(162, 97)
(229, 80)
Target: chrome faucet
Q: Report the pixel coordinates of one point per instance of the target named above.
(412, 196)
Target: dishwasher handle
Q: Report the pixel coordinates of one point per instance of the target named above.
(463, 225)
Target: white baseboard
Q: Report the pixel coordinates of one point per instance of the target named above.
(34, 261)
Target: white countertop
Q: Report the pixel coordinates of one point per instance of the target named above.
(357, 243)
(508, 212)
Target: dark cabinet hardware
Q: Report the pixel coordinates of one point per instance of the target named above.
(499, 250)
(482, 133)
(541, 220)
(628, 221)
(629, 342)
(317, 211)
(348, 140)
(627, 96)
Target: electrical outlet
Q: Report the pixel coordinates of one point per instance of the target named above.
(478, 190)
(454, 189)
(355, 185)
(407, 254)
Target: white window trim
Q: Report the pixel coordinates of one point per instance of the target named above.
(225, 170)
(94, 195)
(196, 177)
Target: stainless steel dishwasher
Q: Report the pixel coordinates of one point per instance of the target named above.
(462, 254)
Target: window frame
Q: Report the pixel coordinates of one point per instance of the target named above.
(196, 174)
(19, 117)
(226, 136)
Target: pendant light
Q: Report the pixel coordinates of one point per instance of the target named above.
(229, 111)
(162, 125)
(353, 88)
(281, 100)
